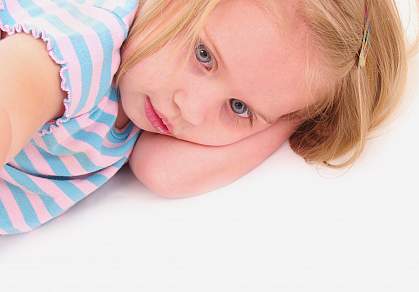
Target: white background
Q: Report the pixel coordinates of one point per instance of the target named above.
(286, 226)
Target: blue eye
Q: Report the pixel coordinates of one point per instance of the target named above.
(203, 55)
(240, 108)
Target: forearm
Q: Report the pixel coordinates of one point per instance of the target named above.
(176, 168)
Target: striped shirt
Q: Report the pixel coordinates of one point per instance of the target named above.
(72, 156)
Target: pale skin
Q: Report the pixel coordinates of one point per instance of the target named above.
(257, 63)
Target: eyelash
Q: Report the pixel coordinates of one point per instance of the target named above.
(252, 117)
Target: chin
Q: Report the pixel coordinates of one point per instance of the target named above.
(139, 123)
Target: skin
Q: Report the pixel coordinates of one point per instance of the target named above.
(263, 66)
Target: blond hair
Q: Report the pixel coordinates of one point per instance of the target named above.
(361, 97)
(357, 101)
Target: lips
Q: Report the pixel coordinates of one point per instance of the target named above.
(156, 119)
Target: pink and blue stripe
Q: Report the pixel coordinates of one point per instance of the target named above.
(73, 156)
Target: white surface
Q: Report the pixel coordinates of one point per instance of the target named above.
(285, 226)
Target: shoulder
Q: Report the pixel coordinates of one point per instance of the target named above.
(82, 36)
(30, 92)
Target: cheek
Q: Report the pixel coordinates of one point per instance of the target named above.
(156, 71)
(133, 106)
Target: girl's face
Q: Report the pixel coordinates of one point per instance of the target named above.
(246, 70)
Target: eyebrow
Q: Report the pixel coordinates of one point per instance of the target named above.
(267, 119)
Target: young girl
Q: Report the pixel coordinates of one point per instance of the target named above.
(198, 92)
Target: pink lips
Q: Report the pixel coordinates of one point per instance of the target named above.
(155, 119)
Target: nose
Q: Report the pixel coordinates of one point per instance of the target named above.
(197, 105)
(190, 108)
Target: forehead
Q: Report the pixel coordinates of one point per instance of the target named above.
(264, 57)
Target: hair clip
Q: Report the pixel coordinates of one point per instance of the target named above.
(365, 41)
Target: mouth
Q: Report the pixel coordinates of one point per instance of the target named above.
(157, 120)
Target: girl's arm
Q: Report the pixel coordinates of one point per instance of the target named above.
(30, 93)
(176, 168)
